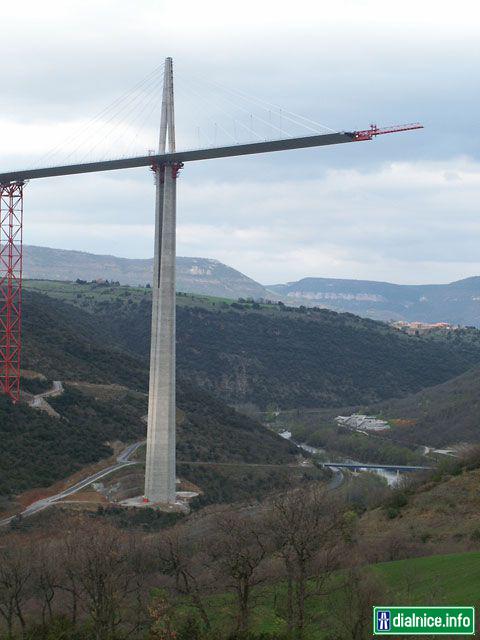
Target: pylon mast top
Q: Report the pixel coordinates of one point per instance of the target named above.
(167, 120)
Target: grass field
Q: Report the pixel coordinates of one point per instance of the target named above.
(451, 579)
(434, 580)
(89, 295)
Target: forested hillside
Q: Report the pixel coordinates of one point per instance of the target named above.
(272, 355)
(441, 415)
(65, 343)
(37, 449)
(68, 344)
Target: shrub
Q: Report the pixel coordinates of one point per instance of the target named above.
(475, 535)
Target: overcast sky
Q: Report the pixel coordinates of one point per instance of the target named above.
(404, 208)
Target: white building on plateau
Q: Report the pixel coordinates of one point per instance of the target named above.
(360, 422)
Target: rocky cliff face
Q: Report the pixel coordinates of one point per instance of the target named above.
(455, 303)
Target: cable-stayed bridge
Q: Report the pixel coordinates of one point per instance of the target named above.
(246, 132)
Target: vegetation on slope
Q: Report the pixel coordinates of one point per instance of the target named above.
(439, 416)
(306, 564)
(68, 344)
(317, 428)
(239, 483)
(272, 355)
(433, 513)
(339, 442)
(215, 432)
(38, 450)
(65, 343)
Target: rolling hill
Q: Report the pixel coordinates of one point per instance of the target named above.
(194, 275)
(456, 302)
(267, 355)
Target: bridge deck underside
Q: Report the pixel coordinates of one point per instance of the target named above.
(179, 157)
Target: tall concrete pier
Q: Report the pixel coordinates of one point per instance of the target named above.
(160, 459)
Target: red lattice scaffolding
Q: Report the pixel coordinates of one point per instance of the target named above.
(11, 220)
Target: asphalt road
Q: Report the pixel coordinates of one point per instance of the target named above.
(123, 460)
(337, 479)
(38, 401)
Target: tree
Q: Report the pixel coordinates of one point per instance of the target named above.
(238, 550)
(68, 579)
(351, 605)
(176, 558)
(108, 577)
(305, 526)
(15, 585)
(45, 580)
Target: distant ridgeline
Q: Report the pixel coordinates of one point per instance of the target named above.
(195, 275)
(454, 303)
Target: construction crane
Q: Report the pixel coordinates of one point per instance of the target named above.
(369, 134)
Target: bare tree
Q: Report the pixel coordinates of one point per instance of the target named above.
(176, 557)
(351, 606)
(238, 550)
(306, 528)
(15, 585)
(68, 578)
(106, 578)
(45, 579)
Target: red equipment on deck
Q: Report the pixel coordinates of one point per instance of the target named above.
(11, 220)
(369, 134)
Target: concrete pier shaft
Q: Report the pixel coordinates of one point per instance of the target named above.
(160, 458)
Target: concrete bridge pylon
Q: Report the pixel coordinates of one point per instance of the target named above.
(160, 457)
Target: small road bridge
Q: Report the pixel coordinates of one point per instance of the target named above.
(357, 466)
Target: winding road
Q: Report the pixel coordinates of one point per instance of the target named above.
(123, 460)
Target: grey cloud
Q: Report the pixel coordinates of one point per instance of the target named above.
(284, 215)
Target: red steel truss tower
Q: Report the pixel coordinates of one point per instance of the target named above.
(11, 220)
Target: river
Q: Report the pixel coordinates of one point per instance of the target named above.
(391, 477)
